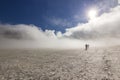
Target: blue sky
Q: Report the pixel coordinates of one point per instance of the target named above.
(50, 14)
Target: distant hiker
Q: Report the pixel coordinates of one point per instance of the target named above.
(86, 46)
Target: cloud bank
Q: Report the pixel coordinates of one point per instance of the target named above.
(105, 26)
(103, 30)
(30, 36)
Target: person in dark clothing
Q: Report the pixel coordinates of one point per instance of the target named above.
(86, 46)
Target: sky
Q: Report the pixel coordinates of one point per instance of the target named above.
(50, 14)
(59, 23)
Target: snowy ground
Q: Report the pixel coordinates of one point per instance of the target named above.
(95, 64)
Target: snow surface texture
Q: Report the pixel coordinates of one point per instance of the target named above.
(94, 64)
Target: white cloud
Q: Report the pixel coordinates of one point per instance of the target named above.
(119, 1)
(105, 5)
(104, 29)
(107, 25)
(30, 36)
(60, 22)
(100, 31)
(21, 32)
